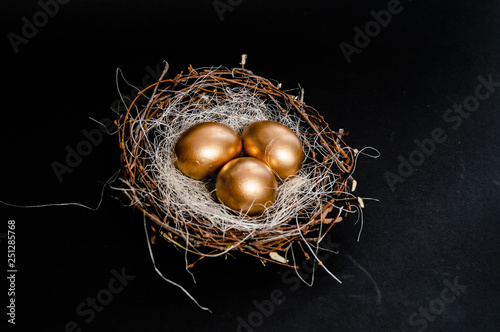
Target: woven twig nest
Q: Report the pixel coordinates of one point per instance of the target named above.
(186, 212)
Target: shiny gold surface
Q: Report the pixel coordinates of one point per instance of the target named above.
(246, 185)
(276, 145)
(203, 148)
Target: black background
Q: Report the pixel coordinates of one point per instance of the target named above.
(438, 225)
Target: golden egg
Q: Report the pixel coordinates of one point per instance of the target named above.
(276, 145)
(246, 185)
(205, 147)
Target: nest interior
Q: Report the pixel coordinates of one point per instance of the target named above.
(185, 212)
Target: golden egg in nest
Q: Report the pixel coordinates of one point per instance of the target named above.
(204, 148)
(246, 185)
(276, 145)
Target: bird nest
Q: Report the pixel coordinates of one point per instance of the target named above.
(186, 212)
